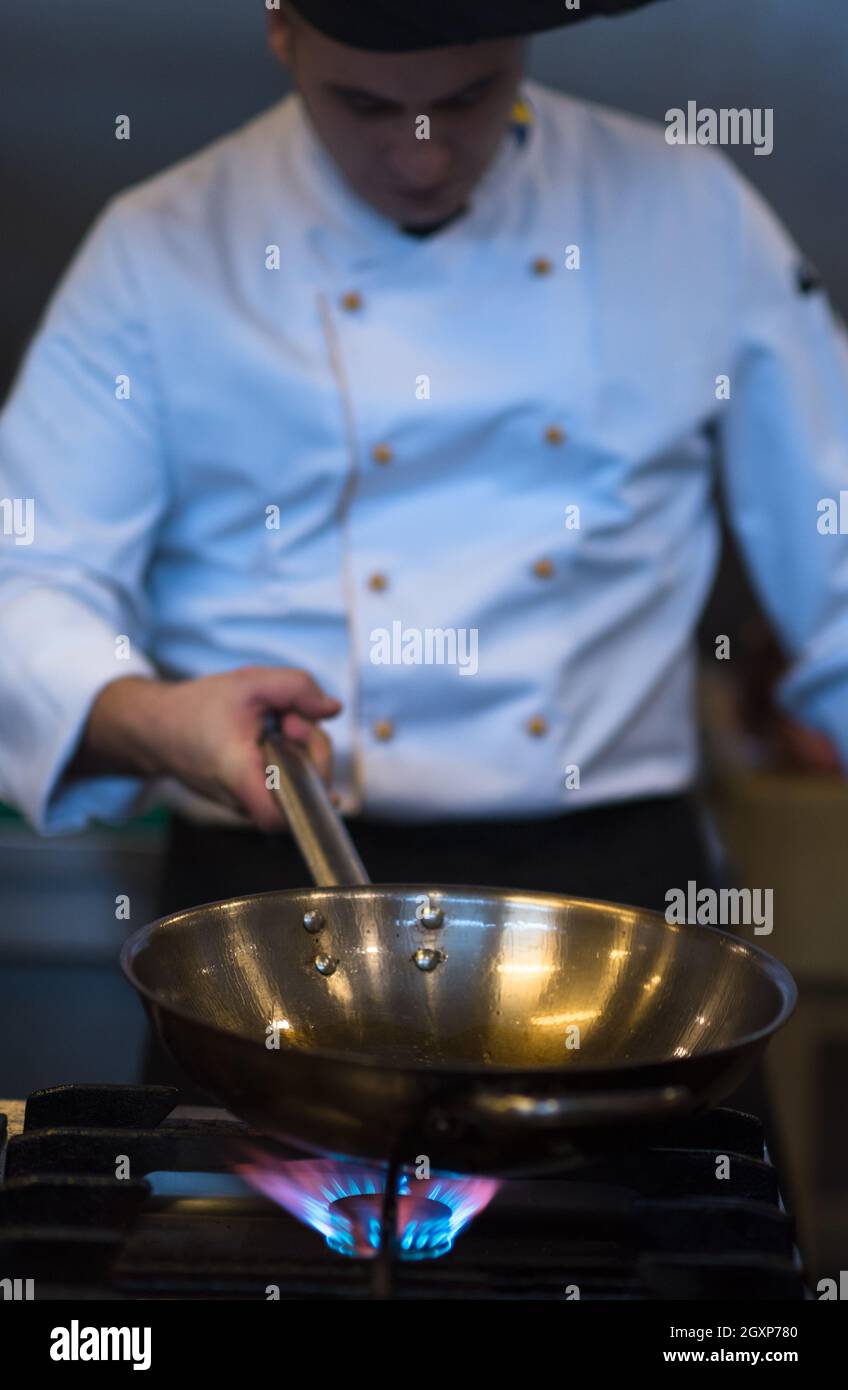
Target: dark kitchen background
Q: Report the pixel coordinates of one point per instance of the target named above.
(188, 73)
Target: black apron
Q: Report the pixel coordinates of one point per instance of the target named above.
(631, 852)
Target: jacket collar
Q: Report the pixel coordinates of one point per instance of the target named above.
(345, 232)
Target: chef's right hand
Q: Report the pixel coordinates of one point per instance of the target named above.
(205, 732)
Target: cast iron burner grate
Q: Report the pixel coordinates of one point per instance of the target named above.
(655, 1224)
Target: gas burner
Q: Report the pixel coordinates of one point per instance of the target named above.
(424, 1226)
(647, 1224)
(343, 1200)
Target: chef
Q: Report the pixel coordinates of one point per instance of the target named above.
(399, 412)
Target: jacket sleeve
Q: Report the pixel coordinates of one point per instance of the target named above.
(784, 445)
(83, 487)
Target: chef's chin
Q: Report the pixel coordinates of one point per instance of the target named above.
(422, 212)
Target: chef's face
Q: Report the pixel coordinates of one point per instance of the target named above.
(366, 107)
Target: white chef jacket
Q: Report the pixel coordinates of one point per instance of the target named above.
(427, 414)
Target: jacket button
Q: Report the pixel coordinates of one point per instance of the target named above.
(384, 730)
(351, 301)
(378, 582)
(537, 726)
(543, 569)
(554, 435)
(382, 453)
(541, 266)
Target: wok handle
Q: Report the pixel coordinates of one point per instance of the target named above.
(321, 836)
(592, 1108)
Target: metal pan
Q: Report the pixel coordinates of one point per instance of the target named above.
(493, 1031)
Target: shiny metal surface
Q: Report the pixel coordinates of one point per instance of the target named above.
(323, 841)
(551, 1027)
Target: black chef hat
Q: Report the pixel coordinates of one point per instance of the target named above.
(395, 26)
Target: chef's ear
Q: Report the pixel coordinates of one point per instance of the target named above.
(280, 31)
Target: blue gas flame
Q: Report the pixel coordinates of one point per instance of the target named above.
(431, 1211)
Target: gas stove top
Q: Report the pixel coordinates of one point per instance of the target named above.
(118, 1192)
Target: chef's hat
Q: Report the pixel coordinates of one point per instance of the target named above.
(403, 25)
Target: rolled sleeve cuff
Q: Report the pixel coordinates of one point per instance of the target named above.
(58, 655)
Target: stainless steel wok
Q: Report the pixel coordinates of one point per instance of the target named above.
(493, 1031)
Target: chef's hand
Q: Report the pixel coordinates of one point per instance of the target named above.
(205, 733)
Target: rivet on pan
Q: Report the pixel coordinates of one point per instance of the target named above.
(313, 921)
(427, 958)
(325, 965)
(431, 917)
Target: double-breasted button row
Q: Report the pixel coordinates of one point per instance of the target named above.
(384, 453)
(352, 301)
(543, 569)
(384, 729)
